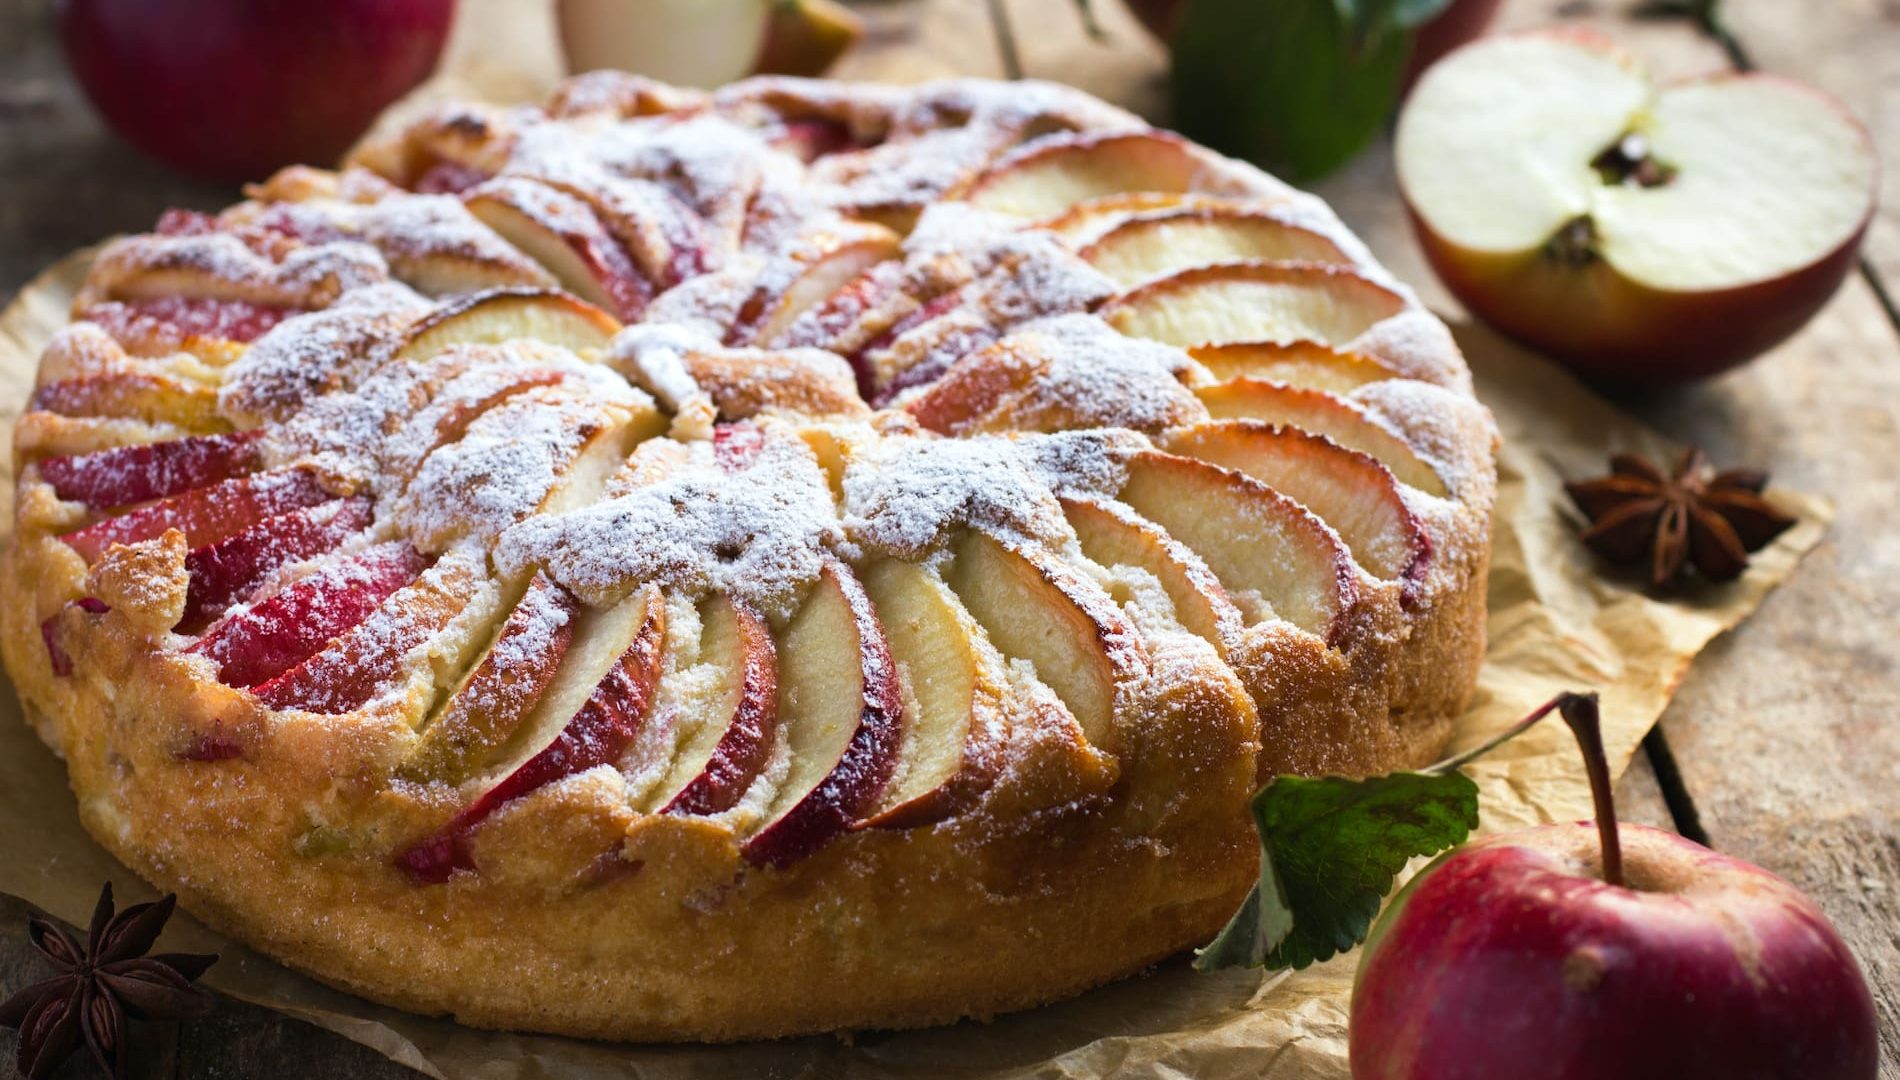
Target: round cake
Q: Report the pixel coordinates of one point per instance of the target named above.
(695, 566)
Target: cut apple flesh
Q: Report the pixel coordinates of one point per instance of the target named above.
(514, 314)
(1274, 558)
(132, 474)
(1349, 490)
(1295, 363)
(1759, 177)
(946, 748)
(597, 704)
(563, 234)
(1051, 175)
(1253, 301)
(1111, 535)
(841, 709)
(827, 274)
(205, 515)
(266, 639)
(1321, 414)
(223, 573)
(726, 751)
(1069, 629)
(1156, 244)
(498, 693)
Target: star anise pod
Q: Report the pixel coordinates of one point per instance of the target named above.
(1692, 516)
(101, 986)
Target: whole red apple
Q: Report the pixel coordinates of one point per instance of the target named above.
(233, 89)
(1585, 952)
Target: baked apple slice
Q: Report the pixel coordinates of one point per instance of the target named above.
(549, 316)
(1295, 363)
(496, 695)
(1322, 414)
(134, 395)
(586, 718)
(1348, 489)
(1275, 559)
(841, 710)
(267, 638)
(370, 657)
(564, 234)
(953, 737)
(205, 515)
(727, 750)
(1113, 535)
(823, 265)
(1049, 175)
(133, 474)
(1036, 609)
(1153, 245)
(225, 572)
(1254, 301)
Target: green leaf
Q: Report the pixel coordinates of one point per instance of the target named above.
(1299, 88)
(1330, 848)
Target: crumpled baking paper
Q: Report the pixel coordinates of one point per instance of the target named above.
(1556, 623)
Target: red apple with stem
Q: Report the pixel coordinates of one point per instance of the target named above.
(233, 89)
(1580, 951)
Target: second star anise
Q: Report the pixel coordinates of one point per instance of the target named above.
(1693, 516)
(101, 986)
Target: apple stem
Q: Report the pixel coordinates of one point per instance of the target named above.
(1458, 761)
(1580, 712)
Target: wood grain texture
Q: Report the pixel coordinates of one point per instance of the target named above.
(1791, 763)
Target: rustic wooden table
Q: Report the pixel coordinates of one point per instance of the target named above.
(1782, 746)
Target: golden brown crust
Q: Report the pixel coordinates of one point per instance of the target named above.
(1050, 864)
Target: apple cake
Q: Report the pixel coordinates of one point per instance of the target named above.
(670, 565)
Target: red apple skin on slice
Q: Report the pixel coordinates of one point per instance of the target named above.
(133, 474)
(282, 630)
(565, 235)
(1322, 414)
(746, 744)
(597, 734)
(1348, 489)
(176, 319)
(836, 679)
(133, 396)
(221, 574)
(498, 694)
(205, 515)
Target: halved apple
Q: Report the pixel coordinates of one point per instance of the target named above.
(586, 718)
(841, 709)
(1049, 175)
(130, 474)
(1037, 609)
(1275, 559)
(1254, 301)
(565, 235)
(1322, 414)
(1156, 244)
(726, 751)
(519, 313)
(1113, 535)
(273, 635)
(1643, 233)
(1295, 363)
(205, 515)
(497, 694)
(1349, 490)
(953, 736)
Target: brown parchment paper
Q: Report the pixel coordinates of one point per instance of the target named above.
(1556, 623)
